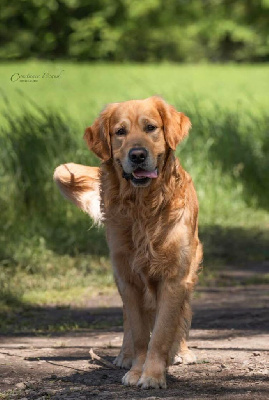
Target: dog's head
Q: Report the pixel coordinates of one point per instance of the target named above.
(137, 135)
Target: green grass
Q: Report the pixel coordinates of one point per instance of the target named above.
(49, 252)
(82, 90)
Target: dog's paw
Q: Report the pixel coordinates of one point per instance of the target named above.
(148, 382)
(131, 377)
(185, 357)
(123, 361)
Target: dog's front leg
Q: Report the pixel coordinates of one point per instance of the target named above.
(133, 302)
(171, 297)
(125, 357)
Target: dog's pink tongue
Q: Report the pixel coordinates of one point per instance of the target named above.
(146, 174)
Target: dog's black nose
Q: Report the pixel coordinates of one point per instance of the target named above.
(138, 155)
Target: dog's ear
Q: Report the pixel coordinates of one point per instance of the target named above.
(176, 127)
(97, 136)
(176, 124)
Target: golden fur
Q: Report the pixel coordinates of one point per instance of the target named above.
(152, 231)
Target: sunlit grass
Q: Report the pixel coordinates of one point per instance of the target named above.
(83, 89)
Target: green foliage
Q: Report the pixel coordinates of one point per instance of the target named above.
(32, 145)
(119, 30)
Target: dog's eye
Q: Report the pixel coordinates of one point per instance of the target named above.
(121, 131)
(150, 128)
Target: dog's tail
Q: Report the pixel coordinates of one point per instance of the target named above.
(81, 185)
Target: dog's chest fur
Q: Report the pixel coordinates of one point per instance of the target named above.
(147, 240)
(145, 225)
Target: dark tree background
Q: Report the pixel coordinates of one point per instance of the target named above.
(135, 30)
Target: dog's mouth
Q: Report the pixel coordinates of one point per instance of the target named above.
(140, 173)
(141, 177)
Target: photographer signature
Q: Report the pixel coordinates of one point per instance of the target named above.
(17, 77)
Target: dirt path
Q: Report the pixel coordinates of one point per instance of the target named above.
(229, 336)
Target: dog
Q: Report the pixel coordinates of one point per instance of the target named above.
(149, 207)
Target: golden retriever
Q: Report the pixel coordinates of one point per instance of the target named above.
(149, 207)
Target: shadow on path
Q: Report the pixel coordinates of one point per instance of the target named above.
(214, 308)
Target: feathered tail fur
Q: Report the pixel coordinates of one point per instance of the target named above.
(81, 185)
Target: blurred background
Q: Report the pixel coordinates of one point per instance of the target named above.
(61, 62)
(132, 30)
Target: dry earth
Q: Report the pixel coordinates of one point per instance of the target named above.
(229, 336)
